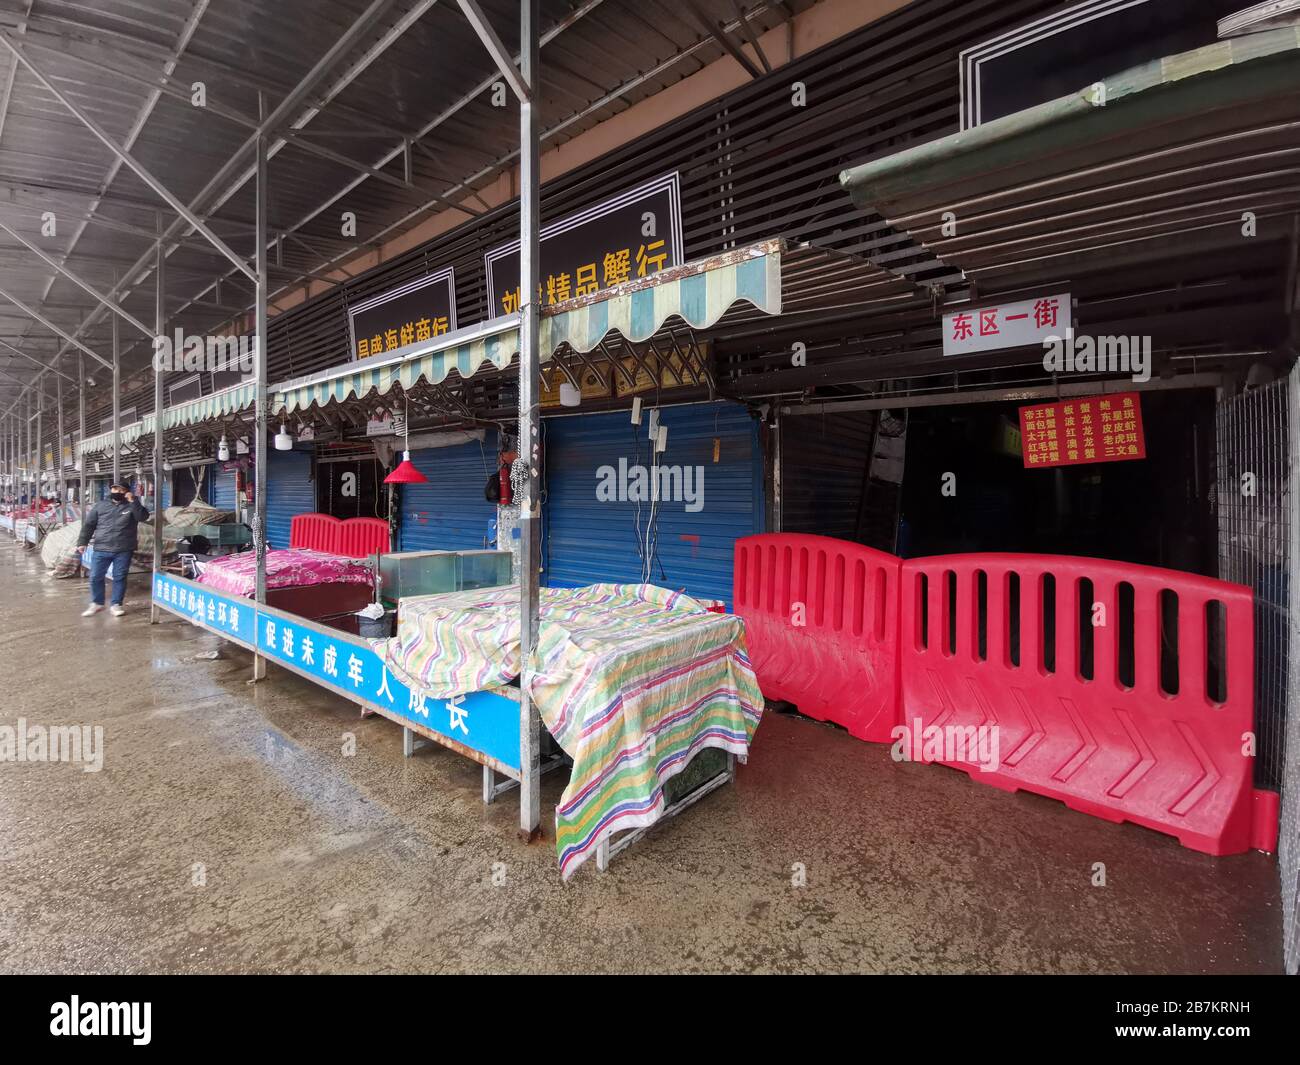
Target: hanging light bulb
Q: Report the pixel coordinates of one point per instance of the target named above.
(223, 450)
(569, 395)
(406, 473)
(283, 441)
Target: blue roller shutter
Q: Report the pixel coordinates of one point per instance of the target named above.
(223, 488)
(450, 513)
(289, 491)
(587, 540)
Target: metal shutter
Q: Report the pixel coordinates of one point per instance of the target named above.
(223, 488)
(587, 540)
(450, 513)
(289, 491)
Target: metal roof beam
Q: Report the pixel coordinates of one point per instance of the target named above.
(44, 366)
(555, 30)
(111, 304)
(723, 38)
(136, 167)
(488, 36)
(497, 165)
(37, 316)
(159, 83)
(750, 36)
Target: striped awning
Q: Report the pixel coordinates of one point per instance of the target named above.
(698, 293)
(209, 408)
(768, 278)
(102, 443)
(464, 351)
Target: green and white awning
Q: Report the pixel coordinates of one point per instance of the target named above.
(464, 351)
(769, 278)
(206, 408)
(697, 293)
(209, 408)
(102, 443)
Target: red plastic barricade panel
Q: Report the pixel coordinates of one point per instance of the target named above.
(362, 537)
(314, 532)
(1124, 691)
(353, 537)
(821, 626)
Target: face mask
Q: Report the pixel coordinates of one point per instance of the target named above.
(117, 497)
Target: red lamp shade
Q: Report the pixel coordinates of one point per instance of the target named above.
(406, 473)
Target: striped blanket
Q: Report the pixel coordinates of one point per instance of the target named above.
(631, 680)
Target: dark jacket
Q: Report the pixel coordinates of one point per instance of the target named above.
(112, 526)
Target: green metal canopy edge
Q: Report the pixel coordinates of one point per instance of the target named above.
(1225, 74)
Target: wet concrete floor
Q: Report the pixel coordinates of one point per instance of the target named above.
(227, 832)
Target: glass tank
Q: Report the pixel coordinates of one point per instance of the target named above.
(404, 574)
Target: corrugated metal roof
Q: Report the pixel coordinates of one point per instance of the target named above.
(412, 73)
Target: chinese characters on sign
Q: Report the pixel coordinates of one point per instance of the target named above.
(596, 249)
(1095, 429)
(205, 608)
(418, 311)
(1008, 325)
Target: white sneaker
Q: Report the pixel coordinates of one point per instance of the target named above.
(117, 611)
(91, 610)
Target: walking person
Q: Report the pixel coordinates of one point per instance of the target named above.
(110, 528)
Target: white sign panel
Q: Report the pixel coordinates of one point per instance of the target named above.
(1006, 325)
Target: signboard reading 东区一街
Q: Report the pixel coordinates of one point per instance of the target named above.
(420, 310)
(635, 234)
(1007, 325)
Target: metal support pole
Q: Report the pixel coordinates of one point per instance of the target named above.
(77, 457)
(58, 451)
(160, 323)
(40, 443)
(529, 420)
(117, 406)
(27, 457)
(260, 412)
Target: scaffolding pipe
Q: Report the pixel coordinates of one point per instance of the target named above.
(260, 404)
(160, 324)
(40, 444)
(58, 451)
(78, 459)
(529, 418)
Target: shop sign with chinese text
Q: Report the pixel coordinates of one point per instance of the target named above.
(637, 234)
(1078, 431)
(1007, 325)
(415, 312)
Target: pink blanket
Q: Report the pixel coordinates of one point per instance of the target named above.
(292, 567)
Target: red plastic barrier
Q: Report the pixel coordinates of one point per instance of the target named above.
(362, 537)
(1161, 747)
(313, 532)
(821, 626)
(353, 537)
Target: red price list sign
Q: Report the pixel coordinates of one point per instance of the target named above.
(1078, 431)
